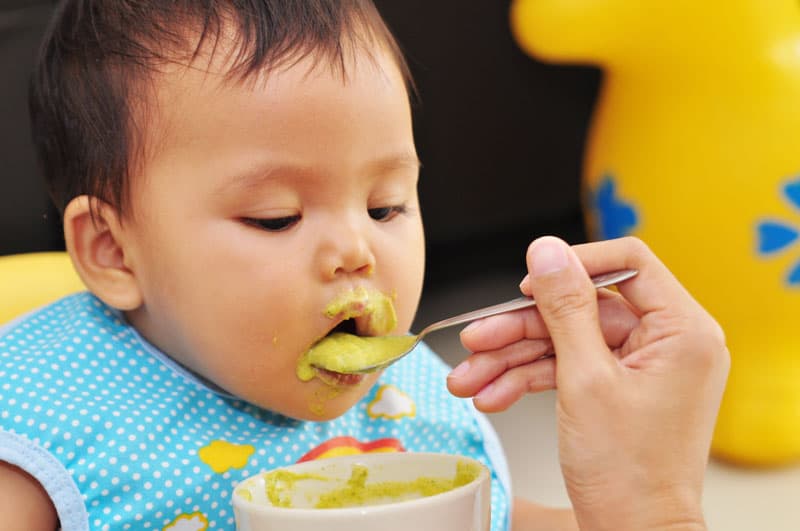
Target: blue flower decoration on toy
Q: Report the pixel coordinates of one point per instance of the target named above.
(775, 236)
(615, 217)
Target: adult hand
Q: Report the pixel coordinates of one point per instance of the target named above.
(639, 372)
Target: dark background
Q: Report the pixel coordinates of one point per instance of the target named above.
(500, 136)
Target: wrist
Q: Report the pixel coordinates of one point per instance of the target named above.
(663, 512)
(682, 521)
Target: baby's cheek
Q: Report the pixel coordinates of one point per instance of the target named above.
(413, 290)
(405, 317)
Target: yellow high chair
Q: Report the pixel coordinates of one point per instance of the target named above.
(693, 147)
(30, 280)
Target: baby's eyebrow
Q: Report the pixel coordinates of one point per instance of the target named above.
(393, 162)
(259, 175)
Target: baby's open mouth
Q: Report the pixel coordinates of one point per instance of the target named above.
(348, 326)
(333, 357)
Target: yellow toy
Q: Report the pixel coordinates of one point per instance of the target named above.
(30, 280)
(694, 148)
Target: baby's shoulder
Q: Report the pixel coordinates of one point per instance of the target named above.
(79, 314)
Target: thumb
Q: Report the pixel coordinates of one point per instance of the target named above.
(567, 302)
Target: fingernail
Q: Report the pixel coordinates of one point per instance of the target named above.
(549, 255)
(474, 325)
(460, 370)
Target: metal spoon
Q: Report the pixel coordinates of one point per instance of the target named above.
(406, 344)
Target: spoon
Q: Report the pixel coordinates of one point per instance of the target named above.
(396, 347)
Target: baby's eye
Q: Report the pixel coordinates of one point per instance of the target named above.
(385, 213)
(273, 224)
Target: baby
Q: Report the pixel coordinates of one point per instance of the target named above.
(227, 171)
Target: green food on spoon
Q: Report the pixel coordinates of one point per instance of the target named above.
(346, 353)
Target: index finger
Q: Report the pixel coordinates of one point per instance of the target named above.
(498, 331)
(617, 319)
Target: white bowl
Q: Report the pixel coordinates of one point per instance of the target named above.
(464, 508)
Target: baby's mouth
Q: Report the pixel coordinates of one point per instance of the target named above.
(307, 370)
(360, 313)
(347, 326)
(338, 379)
(311, 365)
(363, 312)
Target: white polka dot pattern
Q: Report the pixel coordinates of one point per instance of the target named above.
(148, 448)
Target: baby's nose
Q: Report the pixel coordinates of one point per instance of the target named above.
(346, 251)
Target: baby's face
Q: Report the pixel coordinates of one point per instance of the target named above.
(261, 203)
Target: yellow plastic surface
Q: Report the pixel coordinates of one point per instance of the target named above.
(30, 280)
(693, 147)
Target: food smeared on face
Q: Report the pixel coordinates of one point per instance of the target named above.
(322, 396)
(334, 357)
(374, 309)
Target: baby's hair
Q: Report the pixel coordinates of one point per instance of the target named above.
(98, 56)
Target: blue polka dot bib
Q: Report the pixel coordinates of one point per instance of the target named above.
(122, 437)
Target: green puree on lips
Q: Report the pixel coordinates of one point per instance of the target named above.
(346, 353)
(356, 492)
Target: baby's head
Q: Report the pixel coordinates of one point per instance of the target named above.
(225, 170)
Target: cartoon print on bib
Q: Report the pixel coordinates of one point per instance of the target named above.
(391, 403)
(338, 446)
(221, 455)
(188, 522)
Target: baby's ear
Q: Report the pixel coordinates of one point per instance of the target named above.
(96, 244)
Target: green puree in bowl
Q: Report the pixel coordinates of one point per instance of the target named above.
(357, 492)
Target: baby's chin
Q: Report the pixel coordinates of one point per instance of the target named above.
(323, 399)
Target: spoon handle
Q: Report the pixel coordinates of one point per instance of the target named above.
(599, 281)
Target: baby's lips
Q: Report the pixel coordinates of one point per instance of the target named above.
(380, 320)
(348, 304)
(372, 311)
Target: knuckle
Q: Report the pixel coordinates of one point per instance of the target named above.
(709, 343)
(568, 305)
(716, 344)
(540, 381)
(718, 333)
(636, 246)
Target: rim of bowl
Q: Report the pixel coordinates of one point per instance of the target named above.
(441, 497)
